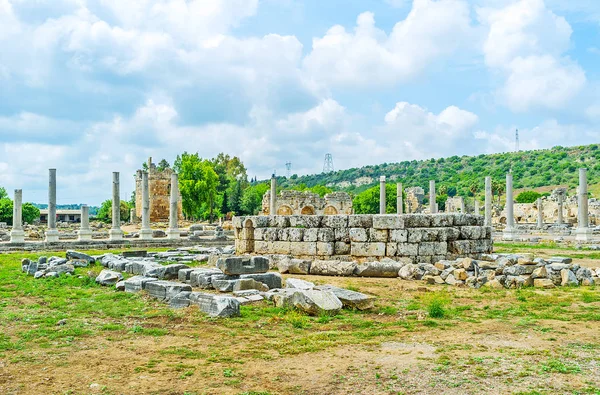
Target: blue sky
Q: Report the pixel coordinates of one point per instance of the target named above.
(95, 86)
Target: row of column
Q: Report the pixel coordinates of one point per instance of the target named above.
(17, 234)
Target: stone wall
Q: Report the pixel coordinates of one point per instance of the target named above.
(411, 237)
(159, 185)
(308, 203)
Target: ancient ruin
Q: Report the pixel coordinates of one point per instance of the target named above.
(159, 190)
(308, 203)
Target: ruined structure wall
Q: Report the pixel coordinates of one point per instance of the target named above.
(412, 237)
(159, 185)
(308, 203)
(526, 213)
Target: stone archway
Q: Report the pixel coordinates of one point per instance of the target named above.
(307, 210)
(285, 210)
(330, 210)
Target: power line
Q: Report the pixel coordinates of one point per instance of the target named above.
(328, 164)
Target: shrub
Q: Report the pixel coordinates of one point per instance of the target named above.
(528, 197)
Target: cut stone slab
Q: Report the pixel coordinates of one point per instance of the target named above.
(135, 254)
(243, 265)
(63, 269)
(245, 293)
(316, 302)
(203, 278)
(352, 299)
(294, 266)
(249, 283)
(296, 283)
(568, 278)
(80, 255)
(108, 277)
(332, 268)
(387, 268)
(216, 305)
(223, 285)
(165, 290)
(120, 286)
(282, 297)
(543, 283)
(137, 283)
(560, 259)
(272, 280)
(181, 300)
(168, 272)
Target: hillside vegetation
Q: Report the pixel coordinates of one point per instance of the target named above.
(531, 170)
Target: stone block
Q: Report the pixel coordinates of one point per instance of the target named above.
(350, 299)
(237, 222)
(460, 247)
(398, 235)
(433, 248)
(283, 234)
(279, 221)
(272, 280)
(296, 234)
(294, 266)
(442, 220)
(249, 283)
(342, 235)
(359, 235)
(472, 232)
(407, 249)
(168, 272)
(316, 302)
(165, 290)
(332, 268)
(385, 268)
(367, 249)
(423, 234)
(449, 234)
(260, 247)
(303, 249)
(181, 300)
(568, 278)
(282, 297)
(243, 265)
(223, 285)
(335, 221)
(360, 221)
(417, 221)
(80, 255)
(108, 277)
(310, 235)
(543, 283)
(378, 235)
(248, 233)
(325, 249)
(137, 283)
(270, 234)
(298, 284)
(216, 305)
(305, 221)
(391, 249)
(342, 248)
(281, 247)
(326, 235)
(388, 221)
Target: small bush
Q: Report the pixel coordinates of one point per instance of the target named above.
(436, 308)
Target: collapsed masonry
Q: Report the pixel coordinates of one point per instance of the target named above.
(308, 203)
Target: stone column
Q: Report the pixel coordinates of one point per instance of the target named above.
(509, 232)
(399, 203)
(173, 231)
(540, 216)
(115, 232)
(560, 209)
(145, 231)
(583, 232)
(488, 201)
(16, 234)
(52, 232)
(85, 233)
(463, 209)
(273, 196)
(432, 204)
(476, 207)
(382, 198)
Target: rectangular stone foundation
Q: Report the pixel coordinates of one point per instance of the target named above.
(364, 237)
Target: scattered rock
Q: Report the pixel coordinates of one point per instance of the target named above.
(298, 284)
(108, 277)
(315, 302)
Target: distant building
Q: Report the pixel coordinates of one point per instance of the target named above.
(61, 216)
(308, 203)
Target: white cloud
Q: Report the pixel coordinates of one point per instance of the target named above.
(368, 56)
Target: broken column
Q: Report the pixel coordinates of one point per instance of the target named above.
(399, 204)
(16, 234)
(476, 207)
(145, 231)
(173, 231)
(273, 196)
(583, 232)
(115, 232)
(560, 209)
(509, 232)
(84, 233)
(382, 198)
(52, 232)
(540, 216)
(432, 203)
(463, 209)
(488, 202)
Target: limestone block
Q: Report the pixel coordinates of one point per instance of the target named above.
(560, 259)
(584, 275)
(271, 234)
(423, 234)
(298, 284)
(384, 268)
(243, 246)
(388, 221)
(342, 235)
(378, 235)
(296, 234)
(325, 249)
(79, 255)
(243, 265)
(181, 300)
(237, 222)
(294, 266)
(222, 284)
(398, 235)
(433, 248)
(461, 219)
(483, 246)
(326, 235)
(137, 283)
(248, 233)
(305, 221)
(165, 290)
(472, 232)
(261, 247)
(568, 278)
(316, 302)
(108, 277)
(169, 272)
(518, 270)
(249, 283)
(360, 221)
(303, 248)
(449, 234)
(351, 299)
(407, 249)
(543, 283)
(460, 274)
(310, 234)
(283, 234)
(342, 248)
(408, 272)
(282, 297)
(335, 221)
(367, 249)
(417, 221)
(279, 221)
(332, 268)
(205, 279)
(359, 235)
(282, 247)
(216, 305)
(272, 280)
(442, 220)
(460, 247)
(391, 249)
(259, 234)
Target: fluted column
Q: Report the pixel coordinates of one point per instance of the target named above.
(84, 233)
(488, 201)
(509, 232)
(173, 231)
(399, 203)
(115, 232)
(432, 203)
(540, 216)
(273, 196)
(382, 198)
(16, 234)
(145, 231)
(583, 232)
(52, 232)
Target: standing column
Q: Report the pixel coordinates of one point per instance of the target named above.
(560, 209)
(540, 217)
(583, 232)
(85, 233)
(509, 232)
(173, 231)
(16, 234)
(273, 196)
(382, 198)
(52, 232)
(115, 232)
(463, 209)
(432, 203)
(145, 231)
(399, 203)
(488, 201)
(476, 208)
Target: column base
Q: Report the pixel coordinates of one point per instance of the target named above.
(84, 235)
(145, 234)
(509, 234)
(583, 234)
(52, 236)
(115, 234)
(17, 236)
(173, 234)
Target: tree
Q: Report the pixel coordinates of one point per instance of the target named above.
(105, 211)
(30, 213)
(474, 187)
(3, 193)
(162, 165)
(443, 190)
(528, 197)
(252, 198)
(6, 210)
(498, 188)
(198, 185)
(235, 197)
(367, 202)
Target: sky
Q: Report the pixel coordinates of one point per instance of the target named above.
(94, 86)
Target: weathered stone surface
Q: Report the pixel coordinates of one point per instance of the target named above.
(584, 274)
(560, 259)
(223, 285)
(282, 297)
(298, 284)
(460, 274)
(216, 305)
(137, 283)
(79, 255)
(407, 272)
(165, 290)
(249, 283)
(518, 270)
(63, 269)
(181, 300)
(203, 278)
(332, 268)
(108, 277)
(168, 272)
(543, 283)
(539, 272)
(120, 285)
(372, 249)
(272, 280)
(388, 221)
(294, 266)
(384, 268)
(243, 265)
(352, 299)
(247, 292)
(407, 249)
(315, 302)
(568, 278)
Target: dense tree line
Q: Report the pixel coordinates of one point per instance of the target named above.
(30, 212)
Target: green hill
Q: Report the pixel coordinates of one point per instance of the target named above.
(531, 170)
